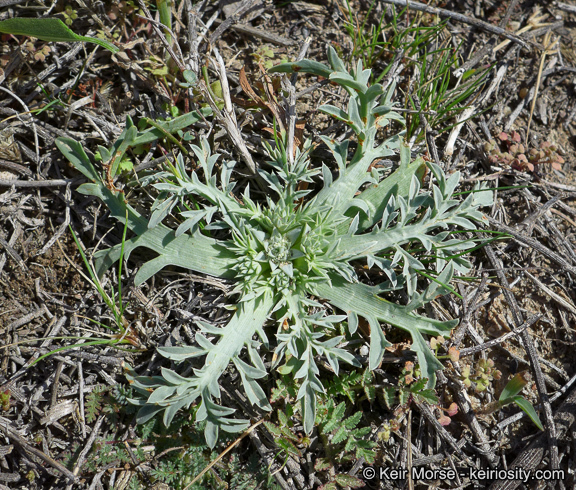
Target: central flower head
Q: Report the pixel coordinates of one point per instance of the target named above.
(278, 248)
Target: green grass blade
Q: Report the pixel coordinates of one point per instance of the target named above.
(528, 409)
(52, 30)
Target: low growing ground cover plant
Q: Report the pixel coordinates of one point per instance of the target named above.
(516, 155)
(294, 255)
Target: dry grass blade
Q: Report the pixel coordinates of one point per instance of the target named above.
(227, 116)
(549, 48)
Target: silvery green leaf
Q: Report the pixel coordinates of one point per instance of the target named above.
(167, 187)
(360, 204)
(173, 377)
(326, 175)
(306, 66)
(414, 189)
(227, 168)
(336, 112)
(190, 77)
(250, 371)
(389, 214)
(209, 328)
(282, 251)
(217, 225)
(382, 110)
(389, 93)
(194, 217)
(354, 116)
(210, 433)
(142, 381)
(345, 356)
(404, 210)
(160, 394)
(255, 358)
(308, 398)
(162, 210)
(124, 141)
(482, 195)
(234, 425)
(181, 353)
(172, 409)
(254, 392)
(333, 318)
(332, 361)
(440, 286)
(288, 269)
(139, 402)
(335, 62)
(76, 155)
(383, 121)
(147, 412)
(352, 322)
(306, 359)
(388, 146)
(339, 150)
(204, 342)
(342, 190)
(347, 81)
(361, 74)
(197, 253)
(105, 155)
(172, 126)
(373, 92)
(88, 189)
(378, 343)
(451, 184)
(330, 343)
(462, 222)
(426, 359)
(353, 226)
(363, 300)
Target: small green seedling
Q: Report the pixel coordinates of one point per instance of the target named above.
(510, 395)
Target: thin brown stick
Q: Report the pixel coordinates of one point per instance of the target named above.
(460, 18)
(225, 452)
(292, 104)
(494, 342)
(441, 431)
(88, 445)
(13, 435)
(269, 37)
(37, 183)
(565, 7)
(467, 412)
(528, 344)
(508, 13)
(245, 7)
(535, 244)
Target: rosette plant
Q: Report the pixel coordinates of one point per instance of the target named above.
(295, 255)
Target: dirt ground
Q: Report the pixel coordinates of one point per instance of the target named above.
(518, 315)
